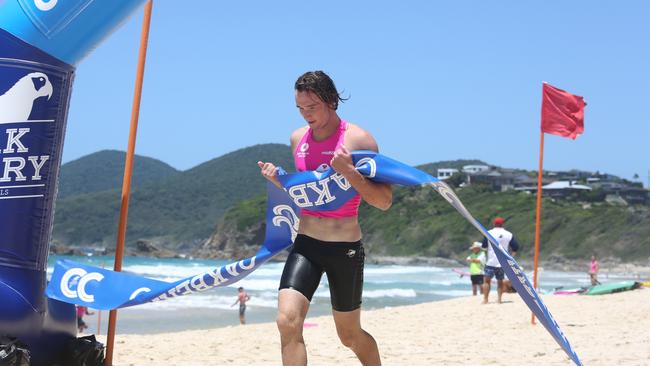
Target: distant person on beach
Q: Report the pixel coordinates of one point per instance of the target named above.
(242, 298)
(476, 261)
(327, 241)
(593, 271)
(81, 311)
(509, 244)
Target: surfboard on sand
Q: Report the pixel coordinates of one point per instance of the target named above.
(610, 288)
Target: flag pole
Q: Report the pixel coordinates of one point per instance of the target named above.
(128, 170)
(538, 214)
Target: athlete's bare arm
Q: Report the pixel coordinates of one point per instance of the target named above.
(269, 170)
(378, 195)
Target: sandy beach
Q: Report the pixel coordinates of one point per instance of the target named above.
(604, 330)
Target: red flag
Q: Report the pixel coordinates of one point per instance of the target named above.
(563, 113)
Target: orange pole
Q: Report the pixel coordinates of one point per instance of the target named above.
(538, 215)
(128, 170)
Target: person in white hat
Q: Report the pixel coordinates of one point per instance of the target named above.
(476, 260)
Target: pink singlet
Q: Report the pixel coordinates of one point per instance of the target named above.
(316, 155)
(593, 268)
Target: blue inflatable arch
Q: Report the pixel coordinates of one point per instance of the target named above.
(41, 42)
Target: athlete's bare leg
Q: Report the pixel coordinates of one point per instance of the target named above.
(499, 289)
(348, 327)
(292, 310)
(486, 289)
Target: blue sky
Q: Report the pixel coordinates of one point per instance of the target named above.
(431, 80)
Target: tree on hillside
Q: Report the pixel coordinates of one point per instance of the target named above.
(456, 180)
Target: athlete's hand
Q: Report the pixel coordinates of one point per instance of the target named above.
(342, 161)
(270, 172)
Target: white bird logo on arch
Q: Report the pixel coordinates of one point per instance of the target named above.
(16, 103)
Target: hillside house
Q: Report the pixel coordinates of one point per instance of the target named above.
(557, 189)
(474, 169)
(446, 173)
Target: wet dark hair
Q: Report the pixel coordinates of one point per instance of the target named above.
(322, 85)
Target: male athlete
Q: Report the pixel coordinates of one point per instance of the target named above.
(327, 241)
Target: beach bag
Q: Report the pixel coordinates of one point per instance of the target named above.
(85, 351)
(13, 352)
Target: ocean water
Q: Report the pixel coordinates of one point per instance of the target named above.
(384, 286)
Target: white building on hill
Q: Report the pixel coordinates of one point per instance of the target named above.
(445, 173)
(473, 169)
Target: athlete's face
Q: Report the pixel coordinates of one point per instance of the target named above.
(313, 109)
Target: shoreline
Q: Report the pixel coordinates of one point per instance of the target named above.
(603, 330)
(608, 265)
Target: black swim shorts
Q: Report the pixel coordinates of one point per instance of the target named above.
(341, 261)
(476, 279)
